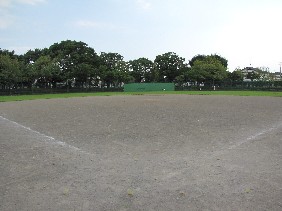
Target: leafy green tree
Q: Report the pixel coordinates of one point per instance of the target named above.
(184, 77)
(236, 76)
(169, 66)
(85, 74)
(10, 73)
(113, 70)
(77, 61)
(264, 74)
(46, 71)
(11, 54)
(29, 74)
(200, 57)
(253, 75)
(32, 55)
(72, 61)
(142, 70)
(222, 60)
(110, 60)
(208, 70)
(197, 73)
(122, 74)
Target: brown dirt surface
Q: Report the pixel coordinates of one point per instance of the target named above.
(149, 152)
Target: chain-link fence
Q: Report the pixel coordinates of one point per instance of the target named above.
(31, 91)
(255, 86)
(246, 85)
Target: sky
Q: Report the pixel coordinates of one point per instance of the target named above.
(245, 32)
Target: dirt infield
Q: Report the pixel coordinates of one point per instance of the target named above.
(172, 152)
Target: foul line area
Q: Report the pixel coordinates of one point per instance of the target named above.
(47, 139)
(52, 140)
(257, 135)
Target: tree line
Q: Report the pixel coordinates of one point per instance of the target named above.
(75, 64)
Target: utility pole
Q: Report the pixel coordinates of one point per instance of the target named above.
(280, 71)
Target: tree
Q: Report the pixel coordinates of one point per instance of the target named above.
(235, 77)
(168, 66)
(32, 55)
(253, 75)
(208, 70)
(77, 61)
(110, 60)
(113, 70)
(11, 54)
(9, 71)
(200, 57)
(122, 74)
(197, 73)
(183, 78)
(29, 74)
(85, 74)
(264, 74)
(142, 70)
(222, 60)
(46, 71)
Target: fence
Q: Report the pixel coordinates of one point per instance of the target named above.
(33, 91)
(142, 87)
(146, 87)
(250, 85)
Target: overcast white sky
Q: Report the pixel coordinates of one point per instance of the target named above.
(243, 31)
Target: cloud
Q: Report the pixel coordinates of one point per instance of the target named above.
(5, 21)
(30, 2)
(20, 49)
(6, 10)
(5, 3)
(90, 24)
(254, 37)
(87, 24)
(5, 18)
(144, 4)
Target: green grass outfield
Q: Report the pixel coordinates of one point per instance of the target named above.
(68, 95)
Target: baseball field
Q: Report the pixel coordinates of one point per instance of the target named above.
(142, 152)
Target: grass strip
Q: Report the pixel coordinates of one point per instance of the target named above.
(69, 95)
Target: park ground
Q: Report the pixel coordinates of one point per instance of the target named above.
(142, 152)
(91, 94)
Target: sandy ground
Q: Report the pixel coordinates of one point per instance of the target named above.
(172, 152)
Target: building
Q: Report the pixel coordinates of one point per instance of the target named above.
(277, 76)
(247, 71)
